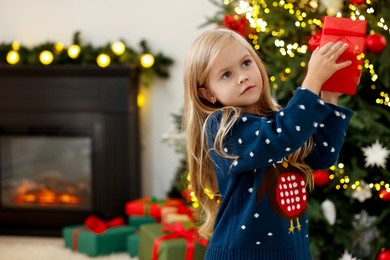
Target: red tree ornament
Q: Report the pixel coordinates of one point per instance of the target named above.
(384, 195)
(239, 24)
(314, 41)
(321, 177)
(357, 2)
(384, 254)
(375, 43)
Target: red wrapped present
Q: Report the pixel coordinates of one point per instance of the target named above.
(150, 206)
(352, 32)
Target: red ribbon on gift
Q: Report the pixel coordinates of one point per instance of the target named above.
(345, 33)
(178, 231)
(331, 31)
(98, 225)
(76, 237)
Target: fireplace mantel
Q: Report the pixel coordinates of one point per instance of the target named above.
(56, 99)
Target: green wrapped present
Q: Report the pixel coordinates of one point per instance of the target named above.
(137, 221)
(170, 241)
(80, 238)
(132, 244)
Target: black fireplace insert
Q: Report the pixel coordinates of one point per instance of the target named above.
(69, 146)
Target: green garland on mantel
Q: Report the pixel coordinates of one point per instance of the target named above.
(149, 64)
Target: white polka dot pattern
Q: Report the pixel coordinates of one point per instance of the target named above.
(291, 193)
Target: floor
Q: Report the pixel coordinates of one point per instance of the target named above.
(46, 248)
(30, 240)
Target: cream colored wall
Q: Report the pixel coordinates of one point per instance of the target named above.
(167, 25)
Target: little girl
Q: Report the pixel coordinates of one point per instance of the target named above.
(256, 158)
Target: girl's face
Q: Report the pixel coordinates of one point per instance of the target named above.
(234, 79)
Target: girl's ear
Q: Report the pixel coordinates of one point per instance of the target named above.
(207, 94)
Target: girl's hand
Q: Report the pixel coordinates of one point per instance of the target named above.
(330, 97)
(322, 65)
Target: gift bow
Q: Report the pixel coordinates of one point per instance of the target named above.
(148, 202)
(178, 231)
(98, 225)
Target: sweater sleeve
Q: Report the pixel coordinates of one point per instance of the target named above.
(260, 141)
(329, 138)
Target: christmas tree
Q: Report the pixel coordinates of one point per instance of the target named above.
(349, 209)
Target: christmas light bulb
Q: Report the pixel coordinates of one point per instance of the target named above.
(15, 46)
(74, 51)
(46, 57)
(140, 100)
(147, 60)
(103, 60)
(13, 57)
(118, 48)
(59, 47)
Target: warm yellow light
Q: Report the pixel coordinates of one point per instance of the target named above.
(13, 57)
(74, 51)
(147, 60)
(15, 46)
(103, 60)
(59, 47)
(140, 100)
(46, 57)
(118, 48)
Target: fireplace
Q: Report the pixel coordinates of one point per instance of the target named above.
(69, 146)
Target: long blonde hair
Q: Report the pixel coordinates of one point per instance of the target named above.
(200, 59)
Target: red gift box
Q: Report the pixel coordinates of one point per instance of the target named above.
(352, 32)
(150, 206)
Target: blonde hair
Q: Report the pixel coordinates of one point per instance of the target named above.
(200, 59)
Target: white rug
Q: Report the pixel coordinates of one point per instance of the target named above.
(46, 249)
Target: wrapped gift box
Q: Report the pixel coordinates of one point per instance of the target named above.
(80, 238)
(132, 244)
(169, 215)
(150, 207)
(156, 242)
(352, 32)
(137, 221)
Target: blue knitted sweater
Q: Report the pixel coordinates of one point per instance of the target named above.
(263, 208)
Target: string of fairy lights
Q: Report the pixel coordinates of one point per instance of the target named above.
(103, 60)
(344, 181)
(116, 53)
(254, 11)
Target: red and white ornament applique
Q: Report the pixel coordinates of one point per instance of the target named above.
(291, 193)
(285, 187)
